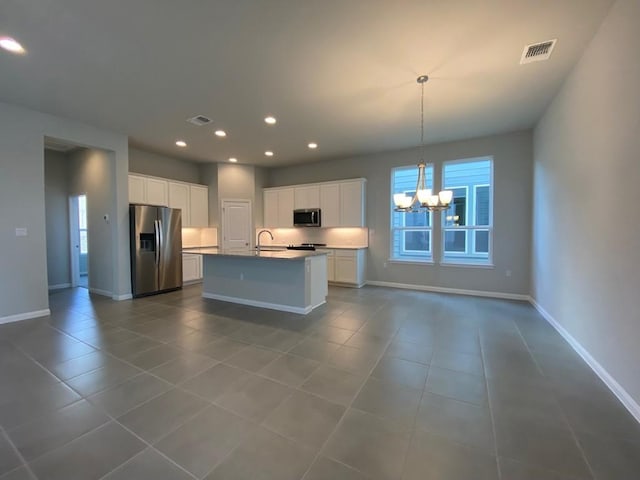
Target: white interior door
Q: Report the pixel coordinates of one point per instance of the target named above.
(236, 224)
(74, 236)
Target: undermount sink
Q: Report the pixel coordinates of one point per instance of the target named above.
(270, 249)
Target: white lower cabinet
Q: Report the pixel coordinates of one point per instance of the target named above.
(346, 267)
(191, 268)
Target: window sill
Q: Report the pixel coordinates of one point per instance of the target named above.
(488, 266)
(410, 262)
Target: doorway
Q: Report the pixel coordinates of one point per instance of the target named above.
(236, 224)
(79, 241)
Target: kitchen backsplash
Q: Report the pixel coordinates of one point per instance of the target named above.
(356, 237)
(199, 237)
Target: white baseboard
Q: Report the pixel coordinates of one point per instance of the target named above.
(455, 291)
(98, 291)
(256, 303)
(25, 316)
(617, 389)
(118, 298)
(59, 286)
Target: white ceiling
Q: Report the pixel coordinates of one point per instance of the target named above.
(339, 72)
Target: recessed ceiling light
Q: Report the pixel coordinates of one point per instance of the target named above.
(233, 160)
(270, 120)
(269, 153)
(220, 133)
(181, 143)
(12, 45)
(312, 145)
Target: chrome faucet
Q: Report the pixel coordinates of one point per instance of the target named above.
(260, 233)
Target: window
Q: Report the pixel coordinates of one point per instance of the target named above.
(410, 232)
(466, 225)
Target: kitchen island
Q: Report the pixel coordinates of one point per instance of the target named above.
(288, 280)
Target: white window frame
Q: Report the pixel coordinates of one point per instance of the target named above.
(469, 259)
(479, 227)
(421, 256)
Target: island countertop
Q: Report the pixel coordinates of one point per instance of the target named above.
(263, 254)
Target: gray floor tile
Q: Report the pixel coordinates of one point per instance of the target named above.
(113, 373)
(325, 468)
(163, 414)
(432, 457)
(281, 340)
(513, 470)
(305, 418)
(611, 459)
(335, 385)
(78, 366)
(212, 383)
(353, 359)
(89, 457)
(154, 357)
(35, 403)
(21, 473)
(290, 369)
(201, 443)
(402, 372)
(315, 349)
(195, 340)
(412, 352)
(369, 444)
(9, 459)
(535, 443)
(252, 358)
(332, 334)
(457, 385)
(55, 429)
(222, 349)
(390, 401)
(458, 421)
(460, 362)
(148, 465)
(253, 397)
(265, 456)
(132, 347)
(185, 366)
(128, 395)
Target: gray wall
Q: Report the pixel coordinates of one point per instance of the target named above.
(23, 263)
(512, 154)
(90, 174)
(586, 236)
(56, 192)
(149, 163)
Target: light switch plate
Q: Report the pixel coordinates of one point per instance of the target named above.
(21, 232)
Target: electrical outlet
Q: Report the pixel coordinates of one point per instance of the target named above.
(21, 232)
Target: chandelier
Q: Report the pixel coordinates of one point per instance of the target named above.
(423, 197)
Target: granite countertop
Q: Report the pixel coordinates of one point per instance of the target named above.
(327, 247)
(263, 254)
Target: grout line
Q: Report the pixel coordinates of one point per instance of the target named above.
(18, 454)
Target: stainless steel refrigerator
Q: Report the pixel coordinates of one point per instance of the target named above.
(156, 249)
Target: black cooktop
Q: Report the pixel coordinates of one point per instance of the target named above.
(313, 244)
(301, 247)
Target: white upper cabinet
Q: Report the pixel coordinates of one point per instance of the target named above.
(192, 199)
(199, 206)
(330, 204)
(352, 203)
(307, 197)
(278, 207)
(148, 190)
(179, 198)
(342, 203)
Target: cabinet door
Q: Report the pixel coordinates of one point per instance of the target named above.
(157, 192)
(352, 204)
(346, 270)
(285, 207)
(191, 267)
(199, 206)
(270, 208)
(136, 189)
(179, 198)
(330, 204)
(307, 197)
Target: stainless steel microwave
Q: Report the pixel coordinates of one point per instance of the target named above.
(306, 217)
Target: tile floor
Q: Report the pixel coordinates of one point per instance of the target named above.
(377, 384)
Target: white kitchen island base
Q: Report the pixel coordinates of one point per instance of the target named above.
(289, 281)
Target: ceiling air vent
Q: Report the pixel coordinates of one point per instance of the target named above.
(537, 51)
(199, 120)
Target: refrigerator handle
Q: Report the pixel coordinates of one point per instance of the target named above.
(156, 228)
